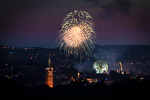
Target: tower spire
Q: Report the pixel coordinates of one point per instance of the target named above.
(49, 61)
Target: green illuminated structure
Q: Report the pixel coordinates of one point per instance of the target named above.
(100, 67)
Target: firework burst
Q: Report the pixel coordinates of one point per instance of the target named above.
(77, 34)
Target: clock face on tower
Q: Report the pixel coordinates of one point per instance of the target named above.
(100, 67)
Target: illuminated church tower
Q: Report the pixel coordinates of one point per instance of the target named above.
(49, 74)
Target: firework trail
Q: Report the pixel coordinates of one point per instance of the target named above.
(77, 34)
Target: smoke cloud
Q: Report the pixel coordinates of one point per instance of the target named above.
(110, 54)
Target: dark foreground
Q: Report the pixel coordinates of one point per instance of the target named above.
(43, 94)
(128, 89)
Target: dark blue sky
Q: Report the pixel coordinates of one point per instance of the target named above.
(26, 23)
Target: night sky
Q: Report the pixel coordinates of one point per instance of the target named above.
(26, 23)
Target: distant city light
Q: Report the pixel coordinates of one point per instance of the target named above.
(78, 74)
(141, 78)
(11, 52)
